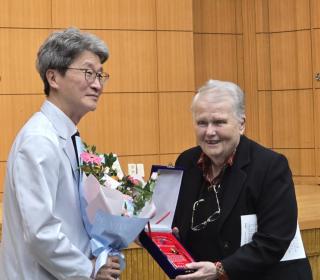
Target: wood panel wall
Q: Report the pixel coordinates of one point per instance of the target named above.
(160, 52)
(143, 114)
(287, 34)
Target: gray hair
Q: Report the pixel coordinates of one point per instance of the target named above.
(226, 88)
(61, 48)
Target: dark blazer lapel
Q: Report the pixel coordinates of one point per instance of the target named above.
(193, 183)
(234, 179)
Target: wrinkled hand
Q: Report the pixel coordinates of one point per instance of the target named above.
(109, 271)
(204, 271)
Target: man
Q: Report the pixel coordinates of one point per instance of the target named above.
(43, 233)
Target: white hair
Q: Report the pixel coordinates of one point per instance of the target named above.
(228, 89)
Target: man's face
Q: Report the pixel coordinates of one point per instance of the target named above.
(74, 95)
(216, 127)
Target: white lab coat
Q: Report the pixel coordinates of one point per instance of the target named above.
(43, 236)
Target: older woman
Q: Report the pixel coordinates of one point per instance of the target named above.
(229, 177)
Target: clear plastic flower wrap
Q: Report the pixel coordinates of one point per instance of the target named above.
(115, 207)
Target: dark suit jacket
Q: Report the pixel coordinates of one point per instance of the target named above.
(259, 182)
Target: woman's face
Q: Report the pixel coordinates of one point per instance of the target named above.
(216, 127)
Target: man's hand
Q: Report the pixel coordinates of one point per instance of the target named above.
(109, 271)
(204, 271)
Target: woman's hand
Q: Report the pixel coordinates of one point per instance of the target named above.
(175, 232)
(204, 271)
(109, 271)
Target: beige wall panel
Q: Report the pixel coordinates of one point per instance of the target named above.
(2, 175)
(104, 14)
(141, 266)
(168, 159)
(215, 57)
(250, 68)
(317, 151)
(287, 15)
(301, 180)
(315, 262)
(175, 61)
(301, 161)
(291, 66)
(262, 15)
(316, 55)
(147, 160)
(218, 16)
(315, 13)
(174, 15)
(125, 124)
(309, 219)
(265, 118)
(133, 60)
(263, 61)
(15, 111)
(317, 118)
(240, 61)
(292, 117)
(25, 13)
(176, 129)
(18, 50)
(239, 27)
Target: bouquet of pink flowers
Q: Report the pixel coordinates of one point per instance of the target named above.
(115, 207)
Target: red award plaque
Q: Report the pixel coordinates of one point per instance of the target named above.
(167, 252)
(170, 246)
(158, 239)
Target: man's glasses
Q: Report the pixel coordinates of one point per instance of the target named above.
(91, 75)
(198, 224)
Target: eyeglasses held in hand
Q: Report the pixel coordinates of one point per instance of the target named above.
(91, 75)
(197, 207)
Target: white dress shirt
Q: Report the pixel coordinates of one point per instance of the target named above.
(43, 236)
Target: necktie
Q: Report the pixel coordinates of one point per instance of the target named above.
(74, 142)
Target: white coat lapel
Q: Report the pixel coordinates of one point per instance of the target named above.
(65, 128)
(69, 150)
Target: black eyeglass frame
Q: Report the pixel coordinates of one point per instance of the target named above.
(91, 75)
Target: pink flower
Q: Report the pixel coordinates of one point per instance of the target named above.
(134, 181)
(97, 160)
(90, 158)
(85, 156)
